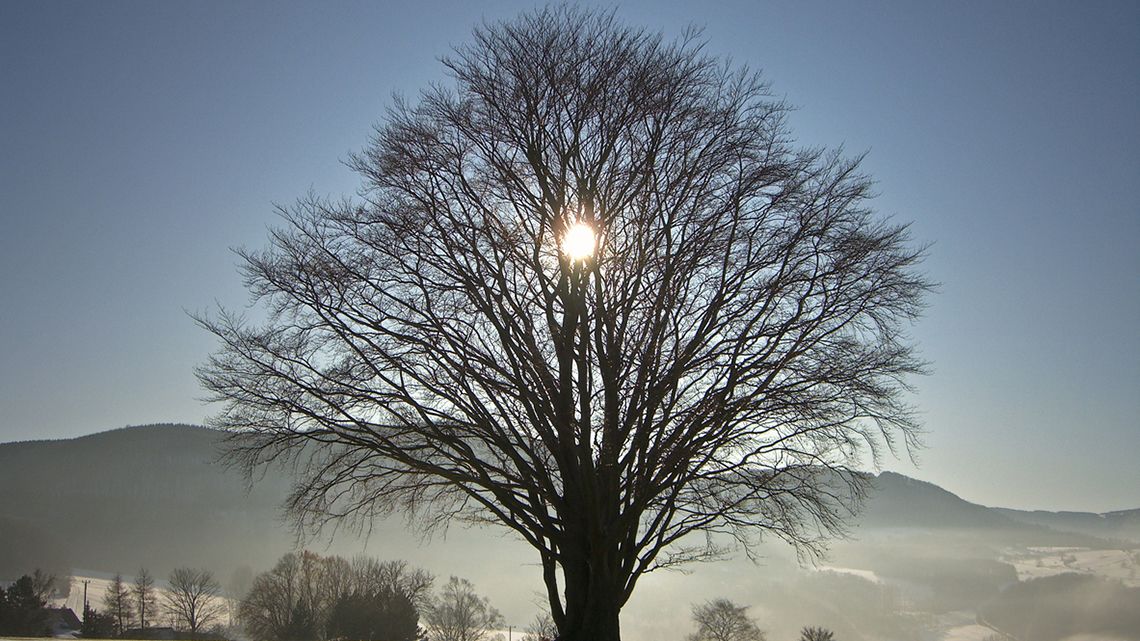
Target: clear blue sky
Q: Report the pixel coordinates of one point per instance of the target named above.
(140, 141)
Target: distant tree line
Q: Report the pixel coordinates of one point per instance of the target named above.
(304, 597)
(308, 597)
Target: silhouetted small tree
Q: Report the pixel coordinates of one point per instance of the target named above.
(117, 603)
(46, 585)
(542, 628)
(272, 609)
(816, 634)
(459, 614)
(723, 620)
(144, 596)
(194, 599)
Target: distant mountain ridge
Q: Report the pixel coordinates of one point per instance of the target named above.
(902, 501)
(137, 496)
(1121, 524)
(155, 496)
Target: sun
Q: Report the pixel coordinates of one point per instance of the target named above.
(579, 242)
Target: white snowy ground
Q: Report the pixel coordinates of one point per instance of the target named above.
(97, 588)
(1122, 565)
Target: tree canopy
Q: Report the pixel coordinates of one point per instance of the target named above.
(591, 292)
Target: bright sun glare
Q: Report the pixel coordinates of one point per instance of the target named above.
(578, 243)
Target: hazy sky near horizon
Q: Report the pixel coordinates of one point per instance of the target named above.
(141, 141)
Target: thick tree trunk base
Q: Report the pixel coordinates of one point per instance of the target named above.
(595, 624)
(607, 633)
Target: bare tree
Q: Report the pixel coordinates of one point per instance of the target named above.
(591, 293)
(817, 634)
(328, 579)
(144, 596)
(542, 628)
(297, 598)
(459, 614)
(723, 620)
(270, 609)
(117, 601)
(289, 601)
(194, 599)
(46, 585)
(374, 576)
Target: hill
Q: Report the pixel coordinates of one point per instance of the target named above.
(1122, 525)
(155, 496)
(900, 501)
(149, 496)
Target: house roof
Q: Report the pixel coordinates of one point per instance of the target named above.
(63, 617)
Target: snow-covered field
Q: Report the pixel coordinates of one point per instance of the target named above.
(1122, 565)
(96, 588)
(97, 583)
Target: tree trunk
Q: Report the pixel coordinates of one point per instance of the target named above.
(593, 599)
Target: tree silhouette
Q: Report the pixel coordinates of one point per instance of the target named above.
(541, 628)
(279, 605)
(117, 603)
(591, 293)
(144, 596)
(459, 614)
(723, 620)
(194, 599)
(816, 634)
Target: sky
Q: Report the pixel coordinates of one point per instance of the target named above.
(141, 142)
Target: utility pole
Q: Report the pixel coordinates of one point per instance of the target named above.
(85, 582)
